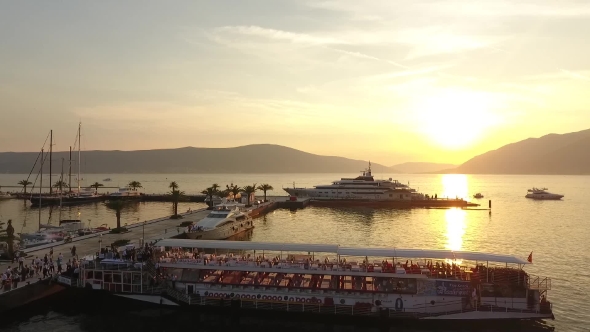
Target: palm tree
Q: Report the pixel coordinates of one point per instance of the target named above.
(60, 184)
(117, 206)
(234, 190)
(176, 197)
(173, 185)
(215, 186)
(249, 190)
(265, 187)
(135, 185)
(24, 183)
(95, 185)
(223, 193)
(209, 192)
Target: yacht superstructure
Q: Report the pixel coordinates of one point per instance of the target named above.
(225, 220)
(363, 187)
(542, 193)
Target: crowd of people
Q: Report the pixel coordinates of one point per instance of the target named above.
(40, 268)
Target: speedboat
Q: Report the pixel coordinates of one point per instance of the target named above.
(225, 220)
(542, 193)
(478, 195)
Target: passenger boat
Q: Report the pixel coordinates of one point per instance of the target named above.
(478, 195)
(332, 279)
(125, 193)
(536, 193)
(225, 220)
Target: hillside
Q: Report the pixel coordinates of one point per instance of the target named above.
(567, 154)
(263, 158)
(422, 167)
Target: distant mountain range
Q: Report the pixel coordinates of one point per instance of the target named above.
(260, 158)
(566, 154)
(422, 167)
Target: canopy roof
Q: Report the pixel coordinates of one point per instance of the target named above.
(343, 251)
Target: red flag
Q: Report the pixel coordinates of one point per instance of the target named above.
(530, 259)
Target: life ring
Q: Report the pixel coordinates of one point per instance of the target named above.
(291, 299)
(264, 297)
(274, 298)
(307, 300)
(399, 304)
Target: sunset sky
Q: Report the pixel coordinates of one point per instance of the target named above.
(390, 81)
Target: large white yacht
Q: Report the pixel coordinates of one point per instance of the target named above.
(542, 193)
(363, 187)
(225, 220)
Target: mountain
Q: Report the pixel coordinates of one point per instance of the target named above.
(421, 167)
(260, 158)
(567, 154)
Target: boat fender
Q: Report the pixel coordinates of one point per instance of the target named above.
(378, 302)
(342, 301)
(399, 304)
(298, 299)
(432, 302)
(274, 298)
(231, 295)
(258, 296)
(206, 293)
(264, 297)
(215, 295)
(307, 300)
(319, 301)
(286, 298)
(291, 299)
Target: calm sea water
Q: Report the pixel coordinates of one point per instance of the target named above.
(556, 232)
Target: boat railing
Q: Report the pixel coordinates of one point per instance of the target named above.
(539, 283)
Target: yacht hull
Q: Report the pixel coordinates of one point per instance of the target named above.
(434, 203)
(545, 197)
(223, 232)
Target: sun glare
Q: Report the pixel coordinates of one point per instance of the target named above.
(455, 119)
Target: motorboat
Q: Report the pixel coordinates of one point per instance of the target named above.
(364, 187)
(478, 195)
(107, 180)
(224, 220)
(542, 194)
(125, 193)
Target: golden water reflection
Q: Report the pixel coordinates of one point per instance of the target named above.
(455, 185)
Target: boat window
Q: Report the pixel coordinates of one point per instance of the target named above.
(217, 215)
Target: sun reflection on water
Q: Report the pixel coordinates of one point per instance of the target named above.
(455, 185)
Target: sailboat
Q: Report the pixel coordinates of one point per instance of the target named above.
(75, 197)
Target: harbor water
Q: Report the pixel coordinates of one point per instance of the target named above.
(556, 232)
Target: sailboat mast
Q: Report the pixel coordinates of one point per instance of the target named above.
(41, 186)
(70, 172)
(79, 144)
(60, 192)
(50, 156)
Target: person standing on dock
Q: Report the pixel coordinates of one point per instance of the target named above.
(73, 251)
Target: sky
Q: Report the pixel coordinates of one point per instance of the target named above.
(390, 81)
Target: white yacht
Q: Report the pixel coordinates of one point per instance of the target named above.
(542, 193)
(225, 220)
(363, 187)
(125, 192)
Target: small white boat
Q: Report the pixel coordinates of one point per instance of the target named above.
(106, 180)
(542, 193)
(225, 220)
(478, 195)
(4, 196)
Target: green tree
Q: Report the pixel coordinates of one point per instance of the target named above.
(176, 196)
(249, 190)
(234, 190)
(24, 183)
(223, 193)
(60, 184)
(134, 185)
(264, 188)
(96, 185)
(117, 206)
(209, 192)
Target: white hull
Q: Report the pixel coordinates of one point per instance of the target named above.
(544, 196)
(341, 194)
(222, 232)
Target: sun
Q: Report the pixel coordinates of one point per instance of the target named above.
(455, 119)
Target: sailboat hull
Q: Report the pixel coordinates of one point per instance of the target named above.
(45, 201)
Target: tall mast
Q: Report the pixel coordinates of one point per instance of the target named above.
(50, 160)
(79, 144)
(41, 186)
(60, 192)
(70, 172)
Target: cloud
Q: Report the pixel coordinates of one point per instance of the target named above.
(280, 35)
